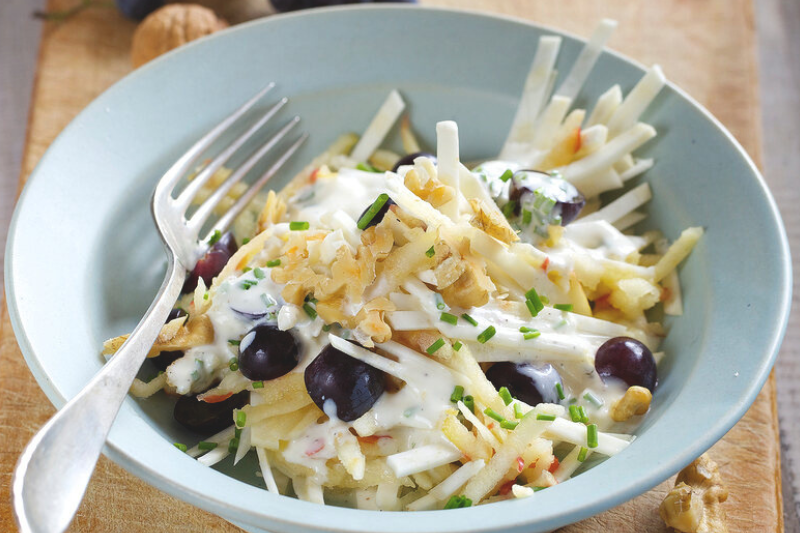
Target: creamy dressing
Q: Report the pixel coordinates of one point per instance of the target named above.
(408, 418)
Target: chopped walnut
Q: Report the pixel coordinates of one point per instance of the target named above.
(694, 505)
(491, 220)
(177, 334)
(635, 402)
(471, 289)
(170, 27)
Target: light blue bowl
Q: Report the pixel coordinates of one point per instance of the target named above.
(84, 261)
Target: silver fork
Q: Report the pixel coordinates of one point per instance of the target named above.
(54, 470)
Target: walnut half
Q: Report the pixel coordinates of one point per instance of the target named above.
(170, 27)
(694, 505)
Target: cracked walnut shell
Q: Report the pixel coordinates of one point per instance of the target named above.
(170, 27)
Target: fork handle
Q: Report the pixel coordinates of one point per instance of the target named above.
(54, 470)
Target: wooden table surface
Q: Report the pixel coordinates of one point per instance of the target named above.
(706, 47)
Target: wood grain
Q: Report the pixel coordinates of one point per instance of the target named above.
(707, 47)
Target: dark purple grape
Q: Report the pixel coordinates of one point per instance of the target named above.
(409, 159)
(138, 9)
(627, 359)
(212, 262)
(164, 359)
(208, 418)
(533, 384)
(266, 352)
(568, 200)
(352, 386)
(294, 5)
(379, 215)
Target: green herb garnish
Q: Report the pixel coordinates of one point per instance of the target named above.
(582, 454)
(458, 394)
(180, 446)
(491, 413)
(545, 417)
(505, 395)
(206, 446)
(430, 252)
(435, 346)
(274, 263)
(373, 210)
(450, 319)
(215, 237)
(591, 435)
(299, 226)
(469, 319)
(310, 311)
(564, 307)
(486, 334)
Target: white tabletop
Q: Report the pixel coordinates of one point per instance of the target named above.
(778, 24)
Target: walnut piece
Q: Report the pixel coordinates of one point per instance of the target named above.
(489, 219)
(170, 27)
(694, 505)
(635, 402)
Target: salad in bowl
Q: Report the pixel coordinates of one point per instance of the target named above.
(410, 331)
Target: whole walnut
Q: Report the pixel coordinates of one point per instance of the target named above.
(170, 27)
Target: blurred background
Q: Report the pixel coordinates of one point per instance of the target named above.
(777, 24)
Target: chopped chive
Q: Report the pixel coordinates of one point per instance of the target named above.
(564, 307)
(450, 319)
(469, 402)
(299, 226)
(508, 424)
(536, 304)
(505, 394)
(526, 329)
(237, 433)
(435, 346)
(584, 416)
(245, 240)
(326, 328)
(591, 435)
(258, 384)
(430, 252)
(241, 419)
(310, 311)
(233, 445)
(537, 489)
(560, 391)
(573, 400)
(233, 364)
(258, 273)
(246, 284)
(439, 301)
(548, 418)
(366, 167)
(458, 394)
(509, 208)
(245, 270)
(373, 210)
(491, 413)
(457, 346)
(518, 410)
(527, 217)
(574, 414)
(545, 300)
(531, 335)
(206, 446)
(486, 334)
(506, 175)
(582, 454)
(180, 446)
(469, 319)
(233, 342)
(458, 502)
(215, 237)
(274, 263)
(205, 296)
(592, 399)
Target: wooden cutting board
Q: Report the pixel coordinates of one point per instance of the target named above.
(707, 47)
